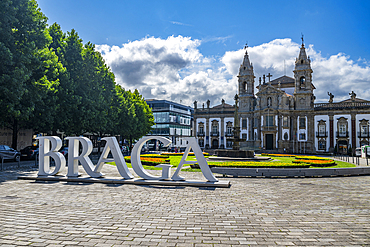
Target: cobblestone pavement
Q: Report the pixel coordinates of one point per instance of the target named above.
(264, 212)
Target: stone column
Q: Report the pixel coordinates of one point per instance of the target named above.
(222, 133)
(250, 127)
(206, 143)
(353, 129)
(331, 133)
(195, 129)
(294, 134)
(310, 133)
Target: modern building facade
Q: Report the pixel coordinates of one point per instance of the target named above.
(172, 120)
(282, 115)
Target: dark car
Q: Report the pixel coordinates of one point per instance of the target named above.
(30, 152)
(64, 151)
(9, 153)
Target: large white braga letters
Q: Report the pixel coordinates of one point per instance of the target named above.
(50, 145)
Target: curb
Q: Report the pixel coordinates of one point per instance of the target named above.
(291, 173)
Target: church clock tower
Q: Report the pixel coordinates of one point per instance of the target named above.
(303, 92)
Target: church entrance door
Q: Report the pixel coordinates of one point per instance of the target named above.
(214, 143)
(269, 141)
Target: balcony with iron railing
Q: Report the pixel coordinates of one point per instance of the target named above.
(215, 133)
(342, 134)
(362, 134)
(229, 134)
(201, 133)
(321, 134)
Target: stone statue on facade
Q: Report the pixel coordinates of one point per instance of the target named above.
(195, 104)
(208, 103)
(331, 97)
(353, 95)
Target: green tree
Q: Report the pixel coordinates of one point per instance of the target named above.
(99, 89)
(23, 78)
(134, 117)
(123, 113)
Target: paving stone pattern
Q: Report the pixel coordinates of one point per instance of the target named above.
(252, 212)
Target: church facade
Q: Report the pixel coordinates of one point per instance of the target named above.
(282, 115)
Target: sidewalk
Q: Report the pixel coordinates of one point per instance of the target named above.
(358, 161)
(256, 212)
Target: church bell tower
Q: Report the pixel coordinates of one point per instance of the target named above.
(303, 92)
(246, 84)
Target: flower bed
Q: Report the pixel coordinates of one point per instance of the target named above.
(302, 157)
(242, 164)
(322, 163)
(154, 156)
(149, 161)
(181, 154)
(278, 155)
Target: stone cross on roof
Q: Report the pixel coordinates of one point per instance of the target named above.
(269, 76)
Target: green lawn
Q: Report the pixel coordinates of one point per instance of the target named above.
(340, 164)
(175, 160)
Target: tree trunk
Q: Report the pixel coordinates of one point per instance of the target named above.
(99, 143)
(15, 134)
(130, 143)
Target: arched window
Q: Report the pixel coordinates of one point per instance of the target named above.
(302, 80)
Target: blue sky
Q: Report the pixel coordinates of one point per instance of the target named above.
(205, 50)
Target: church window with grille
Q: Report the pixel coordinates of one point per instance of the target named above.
(322, 145)
(285, 122)
(269, 121)
(201, 142)
(302, 123)
(244, 123)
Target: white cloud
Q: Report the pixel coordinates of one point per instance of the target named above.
(174, 69)
(337, 74)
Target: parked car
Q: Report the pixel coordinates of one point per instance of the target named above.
(30, 152)
(64, 151)
(358, 152)
(9, 153)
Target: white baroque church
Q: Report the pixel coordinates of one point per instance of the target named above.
(282, 115)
